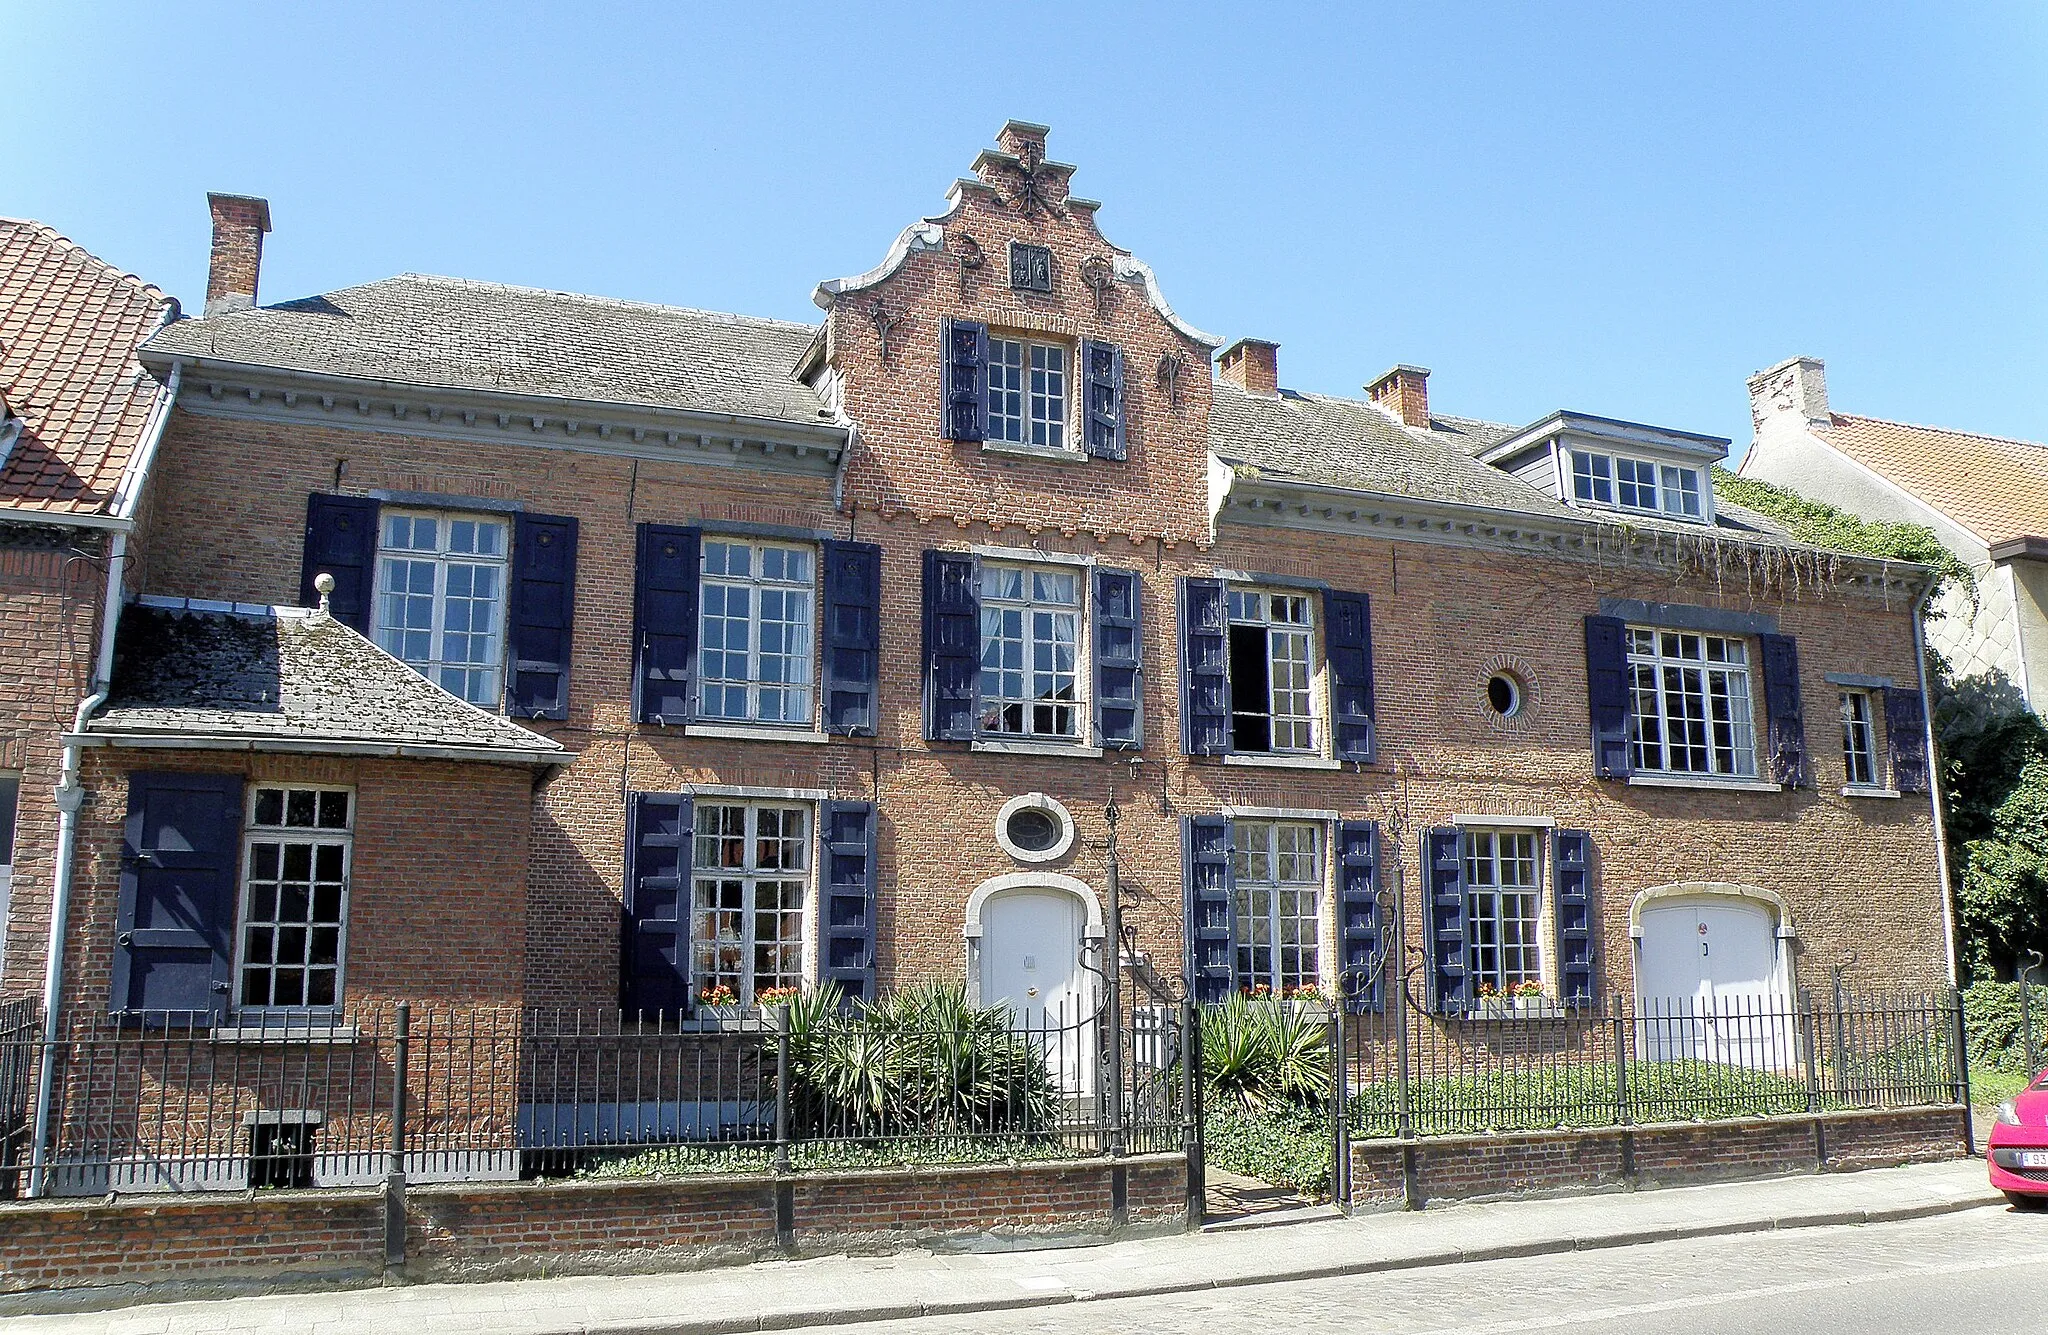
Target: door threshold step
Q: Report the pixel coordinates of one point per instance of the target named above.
(1299, 1214)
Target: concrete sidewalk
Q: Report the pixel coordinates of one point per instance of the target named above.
(782, 1295)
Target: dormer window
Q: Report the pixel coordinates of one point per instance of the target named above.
(1636, 484)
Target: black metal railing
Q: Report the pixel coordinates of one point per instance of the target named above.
(168, 1101)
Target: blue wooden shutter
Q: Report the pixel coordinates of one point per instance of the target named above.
(341, 540)
(1347, 638)
(853, 636)
(1788, 763)
(1211, 923)
(1119, 662)
(174, 925)
(1102, 371)
(966, 371)
(1607, 694)
(543, 615)
(1905, 734)
(1571, 877)
(1449, 921)
(665, 578)
(952, 645)
(1361, 946)
(846, 929)
(654, 955)
(1204, 668)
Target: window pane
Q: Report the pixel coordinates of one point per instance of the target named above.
(755, 636)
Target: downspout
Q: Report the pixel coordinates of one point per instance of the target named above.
(71, 796)
(1948, 911)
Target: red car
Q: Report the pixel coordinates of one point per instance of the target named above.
(2018, 1149)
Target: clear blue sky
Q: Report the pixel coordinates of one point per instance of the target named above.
(1622, 208)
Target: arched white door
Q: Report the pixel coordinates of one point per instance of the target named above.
(1711, 983)
(1031, 952)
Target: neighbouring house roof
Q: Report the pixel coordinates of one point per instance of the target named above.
(69, 327)
(1995, 487)
(288, 678)
(453, 333)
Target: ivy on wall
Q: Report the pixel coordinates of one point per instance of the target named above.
(1823, 525)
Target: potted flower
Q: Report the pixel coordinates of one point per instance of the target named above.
(1309, 1000)
(1491, 1002)
(718, 1002)
(774, 1004)
(1527, 998)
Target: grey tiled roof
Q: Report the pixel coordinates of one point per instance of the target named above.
(458, 334)
(287, 674)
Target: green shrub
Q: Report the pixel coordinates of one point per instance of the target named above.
(1265, 1054)
(1286, 1145)
(1991, 1015)
(1576, 1094)
(812, 1156)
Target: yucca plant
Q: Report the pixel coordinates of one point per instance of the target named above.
(1264, 1053)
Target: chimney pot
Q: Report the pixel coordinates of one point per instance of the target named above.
(1253, 365)
(1404, 391)
(239, 222)
(1795, 391)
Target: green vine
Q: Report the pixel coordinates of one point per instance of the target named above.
(1823, 525)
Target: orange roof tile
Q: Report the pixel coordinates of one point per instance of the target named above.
(69, 326)
(1994, 487)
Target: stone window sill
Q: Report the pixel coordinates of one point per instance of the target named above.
(1704, 781)
(1023, 451)
(1861, 790)
(298, 1032)
(1281, 761)
(755, 732)
(1005, 747)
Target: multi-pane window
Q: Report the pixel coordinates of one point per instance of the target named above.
(1501, 894)
(1636, 484)
(754, 647)
(1277, 875)
(1859, 740)
(1030, 628)
(1027, 392)
(294, 896)
(750, 865)
(1689, 703)
(1271, 638)
(441, 599)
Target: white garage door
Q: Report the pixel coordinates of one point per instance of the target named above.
(1711, 984)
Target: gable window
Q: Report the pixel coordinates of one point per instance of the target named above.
(1271, 646)
(750, 865)
(1636, 484)
(441, 599)
(1592, 477)
(1859, 740)
(1277, 880)
(755, 656)
(1027, 393)
(1501, 889)
(1690, 703)
(294, 896)
(1030, 647)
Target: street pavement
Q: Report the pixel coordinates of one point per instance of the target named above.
(1552, 1263)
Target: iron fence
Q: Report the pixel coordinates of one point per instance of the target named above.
(166, 1101)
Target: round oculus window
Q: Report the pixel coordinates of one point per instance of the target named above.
(1503, 694)
(1033, 829)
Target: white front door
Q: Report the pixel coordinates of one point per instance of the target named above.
(1031, 942)
(1710, 984)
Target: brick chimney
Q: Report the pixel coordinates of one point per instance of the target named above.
(239, 222)
(1793, 393)
(1253, 365)
(1404, 392)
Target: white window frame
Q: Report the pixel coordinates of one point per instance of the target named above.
(253, 834)
(1599, 478)
(1859, 739)
(750, 875)
(1735, 760)
(1306, 919)
(1305, 729)
(1035, 614)
(1487, 904)
(436, 664)
(756, 584)
(1043, 395)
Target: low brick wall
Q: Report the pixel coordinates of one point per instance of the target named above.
(69, 1253)
(1530, 1163)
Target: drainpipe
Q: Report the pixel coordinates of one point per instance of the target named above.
(70, 795)
(1948, 912)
